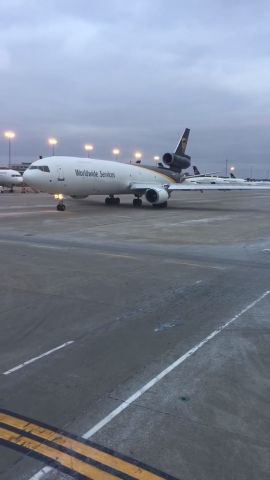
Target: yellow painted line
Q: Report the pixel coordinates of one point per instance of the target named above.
(62, 458)
(92, 453)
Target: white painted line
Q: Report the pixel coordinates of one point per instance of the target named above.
(31, 244)
(206, 220)
(197, 265)
(116, 255)
(167, 370)
(41, 473)
(20, 214)
(18, 367)
(155, 380)
(266, 250)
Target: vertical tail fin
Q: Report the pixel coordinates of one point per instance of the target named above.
(195, 170)
(182, 145)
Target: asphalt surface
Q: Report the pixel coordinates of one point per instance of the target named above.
(134, 290)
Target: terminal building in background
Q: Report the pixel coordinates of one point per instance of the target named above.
(20, 167)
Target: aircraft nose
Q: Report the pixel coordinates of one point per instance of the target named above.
(33, 177)
(28, 176)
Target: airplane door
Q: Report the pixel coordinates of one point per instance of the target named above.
(60, 174)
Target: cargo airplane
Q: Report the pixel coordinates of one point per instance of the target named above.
(81, 177)
(10, 178)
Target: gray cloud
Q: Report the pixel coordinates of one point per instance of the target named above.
(134, 74)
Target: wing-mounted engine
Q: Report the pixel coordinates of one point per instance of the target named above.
(176, 162)
(156, 196)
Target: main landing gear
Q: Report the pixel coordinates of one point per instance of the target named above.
(137, 202)
(111, 200)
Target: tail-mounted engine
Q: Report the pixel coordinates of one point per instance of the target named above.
(176, 162)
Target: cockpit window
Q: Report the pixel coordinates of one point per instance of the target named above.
(43, 168)
(16, 175)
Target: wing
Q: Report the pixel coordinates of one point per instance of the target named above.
(223, 187)
(142, 187)
(187, 187)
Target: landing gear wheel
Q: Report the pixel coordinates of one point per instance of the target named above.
(112, 201)
(61, 207)
(137, 202)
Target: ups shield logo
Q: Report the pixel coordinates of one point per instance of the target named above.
(184, 144)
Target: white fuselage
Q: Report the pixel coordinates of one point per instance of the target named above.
(216, 180)
(86, 176)
(213, 179)
(10, 178)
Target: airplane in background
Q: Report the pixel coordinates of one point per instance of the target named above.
(210, 178)
(81, 177)
(10, 178)
(213, 179)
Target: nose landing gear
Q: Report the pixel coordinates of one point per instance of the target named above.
(61, 207)
(137, 202)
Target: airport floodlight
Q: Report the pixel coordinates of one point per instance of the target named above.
(116, 153)
(232, 169)
(88, 148)
(138, 157)
(52, 142)
(9, 135)
(156, 158)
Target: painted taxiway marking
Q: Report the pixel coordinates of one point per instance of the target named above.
(69, 453)
(197, 265)
(116, 255)
(25, 207)
(19, 214)
(34, 359)
(169, 369)
(32, 245)
(123, 406)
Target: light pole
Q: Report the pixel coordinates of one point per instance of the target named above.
(232, 170)
(116, 153)
(52, 142)
(88, 148)
(226, 167)
(157, 158)
(9, 135)
(138, 157)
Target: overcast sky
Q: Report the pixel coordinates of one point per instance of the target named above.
(134, 75)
